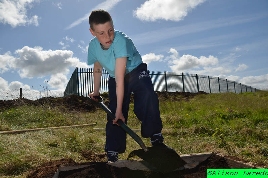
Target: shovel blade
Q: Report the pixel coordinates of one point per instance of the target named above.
(164, 159)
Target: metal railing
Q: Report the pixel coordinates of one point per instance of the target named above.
(81, 83)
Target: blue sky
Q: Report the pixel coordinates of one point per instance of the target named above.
(42, 41)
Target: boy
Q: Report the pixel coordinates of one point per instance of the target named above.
(116, 52)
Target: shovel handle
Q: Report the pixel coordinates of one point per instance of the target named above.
(122, 124)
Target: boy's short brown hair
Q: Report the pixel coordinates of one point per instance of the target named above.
(99, 17)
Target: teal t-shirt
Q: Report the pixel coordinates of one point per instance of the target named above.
(122, 46)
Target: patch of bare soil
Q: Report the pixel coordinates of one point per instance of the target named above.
(98, 168)
(70, 103)
(81, 103)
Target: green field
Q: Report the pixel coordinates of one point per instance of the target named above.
(226, 123)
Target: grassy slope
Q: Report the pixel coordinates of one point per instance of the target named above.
(230, 124)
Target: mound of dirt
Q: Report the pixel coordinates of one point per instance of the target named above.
(177, 96)
(81, 103)
(71, 103)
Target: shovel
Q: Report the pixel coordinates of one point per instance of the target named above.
(160, 158)
(122, 124)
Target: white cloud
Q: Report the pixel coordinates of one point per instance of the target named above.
(174, 54)
(241, 67)
(14, 13)
(83, 48)
(174, 10)
(33, 20)
(106, 5)
(186, 62)
(4, 62)
(63, 45)
(208, 61)
(15, 85)
(83, 65)
(237, 49)
(3, 84)
(212, 66)
(69, 39)
(36, 62)
(183, 63)
(256, 81)
(58, 5)
(214, 71)
(233, 78)
(58, 81)
(66, 42)
(12, 90)
(151, 57)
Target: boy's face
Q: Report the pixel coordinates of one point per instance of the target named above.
(104, 33)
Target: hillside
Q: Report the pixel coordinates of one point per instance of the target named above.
(181, 114)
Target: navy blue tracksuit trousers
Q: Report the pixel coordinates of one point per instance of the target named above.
(146, 108)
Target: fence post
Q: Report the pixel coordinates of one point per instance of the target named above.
(88, 83)
(92, 82)
(83, 79)
(209, 84)
(227, 85)
(219, 84)
(165, 74)
(182, 79)
(20, 93)
(234, 88)
(197, 82)
(77, 81)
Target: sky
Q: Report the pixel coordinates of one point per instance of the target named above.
(43, 41)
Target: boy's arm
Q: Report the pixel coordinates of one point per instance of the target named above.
(97, 72)
(120, 69)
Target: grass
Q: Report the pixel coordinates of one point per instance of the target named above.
(227, 123)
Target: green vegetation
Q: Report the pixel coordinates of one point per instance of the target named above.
(227, 123)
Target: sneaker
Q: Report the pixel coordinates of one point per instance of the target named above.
(157, 140)
(112, 156)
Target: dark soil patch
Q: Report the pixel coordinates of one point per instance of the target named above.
(81, 103)
(98, 168)
(70, 103)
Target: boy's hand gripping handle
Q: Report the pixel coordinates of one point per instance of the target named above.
(121, 124)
